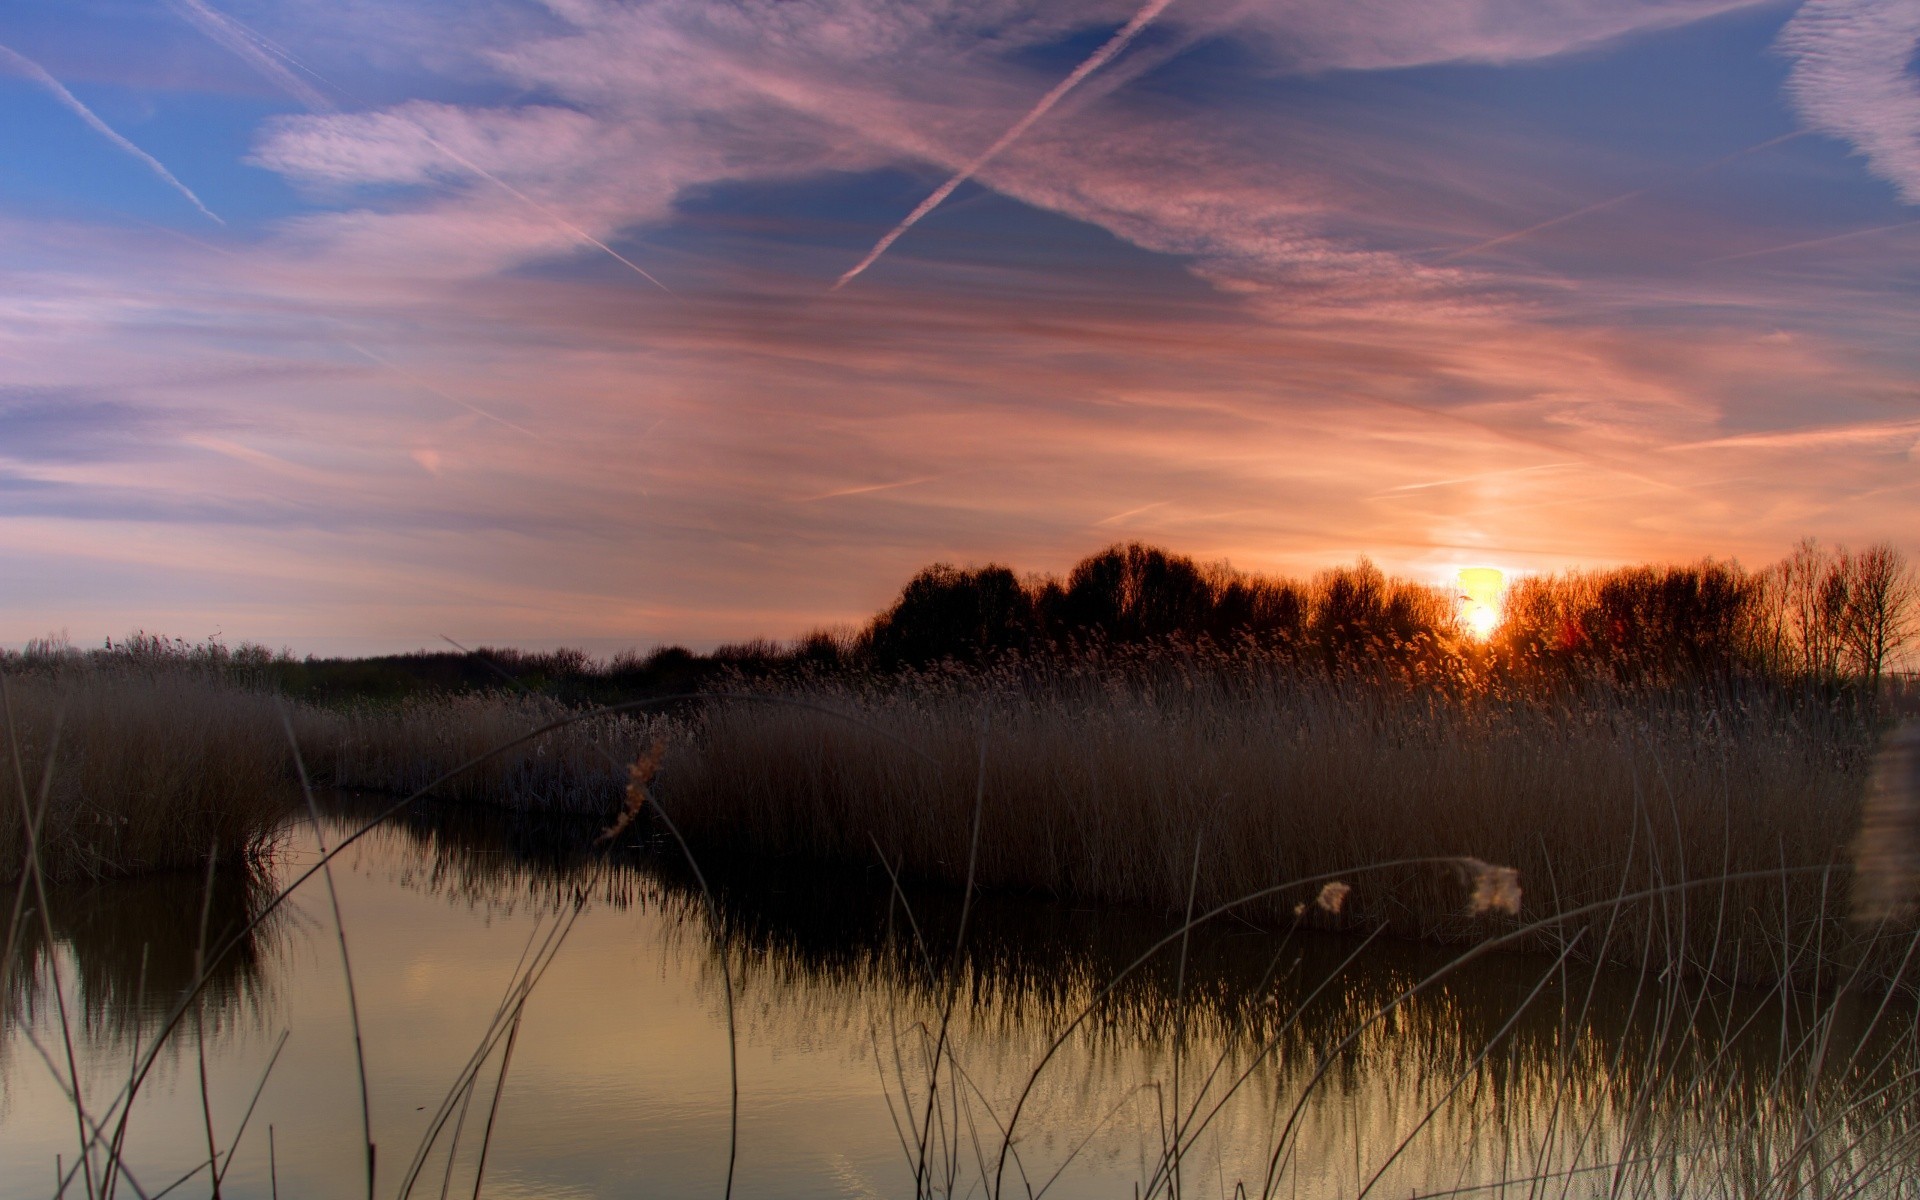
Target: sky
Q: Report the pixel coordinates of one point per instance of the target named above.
(350, 325)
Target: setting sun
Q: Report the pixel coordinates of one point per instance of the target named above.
(1480, 592)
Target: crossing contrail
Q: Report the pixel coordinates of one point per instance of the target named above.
(1099, 58)
(266, 57)
(34, 71)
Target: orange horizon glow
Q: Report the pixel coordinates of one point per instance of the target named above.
(618, 324)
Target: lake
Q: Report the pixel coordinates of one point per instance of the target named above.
(1257, 1056)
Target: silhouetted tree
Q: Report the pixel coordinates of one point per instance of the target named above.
(1136, 593)
(946, 613)
(821, 650)
(1270, 610)
(1808, 598)
(1880, 617)
(1670, 624)
(1360, 615)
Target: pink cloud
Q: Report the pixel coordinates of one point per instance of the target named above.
(521, 454)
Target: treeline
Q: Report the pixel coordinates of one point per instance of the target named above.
(1821, 617)
(1824, 620)
(1826, 617)
(1135, 595)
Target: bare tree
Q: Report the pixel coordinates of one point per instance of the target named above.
(1811, 588)
(1880, 614)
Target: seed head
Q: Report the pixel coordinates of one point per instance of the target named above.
(639, 780)
(1333, 896)
(1495, 889)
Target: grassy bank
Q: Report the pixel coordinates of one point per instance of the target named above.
(124, 770)
(1114, 784)
(1103, 790)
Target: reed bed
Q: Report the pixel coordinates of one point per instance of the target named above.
(580, 767)
(129, 772)
(1105, 791)
(134, 770)
(1096, 785)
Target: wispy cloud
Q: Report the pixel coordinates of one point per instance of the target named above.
(34, 71)
(1866, 433)
(1852, 78)
(1208, 278)
(1384, 34)
(272, 463)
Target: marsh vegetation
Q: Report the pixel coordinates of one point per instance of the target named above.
(1651, 779)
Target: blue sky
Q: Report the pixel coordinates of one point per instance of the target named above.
(348, 325)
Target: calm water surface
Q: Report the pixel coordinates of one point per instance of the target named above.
(1265, 1047)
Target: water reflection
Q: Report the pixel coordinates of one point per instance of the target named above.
(1320, 1049)
(1274, 1058)
(126, 951)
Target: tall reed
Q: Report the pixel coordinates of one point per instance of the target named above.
(129, 769)
(127, 772)
(581, 767)
(1098, 789)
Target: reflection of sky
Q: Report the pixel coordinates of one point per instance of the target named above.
(619, 1087)
(1443, 283)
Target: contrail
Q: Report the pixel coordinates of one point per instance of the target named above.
(540, 208)
(1819, 241)
(34, 71)
(1622, 198)
(267, 58)
(449, 397)
(1099, 58)
(865, 489)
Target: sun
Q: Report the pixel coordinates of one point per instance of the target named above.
(1482, 621)
(1480, 592)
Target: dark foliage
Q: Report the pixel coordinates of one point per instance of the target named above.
(1822, 624)
(949, 614)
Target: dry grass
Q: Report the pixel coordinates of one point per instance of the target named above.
(147, 771)
(1098, 787)
(153, 769)
(1098, 792)
(402, 747)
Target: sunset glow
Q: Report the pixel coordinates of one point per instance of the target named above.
(621, 321)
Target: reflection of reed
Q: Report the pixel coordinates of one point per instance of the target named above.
(498, 859)
(128, 948)
(1646, 1065)
(1600, 1065)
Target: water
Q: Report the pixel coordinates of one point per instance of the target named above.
(618, 1085)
